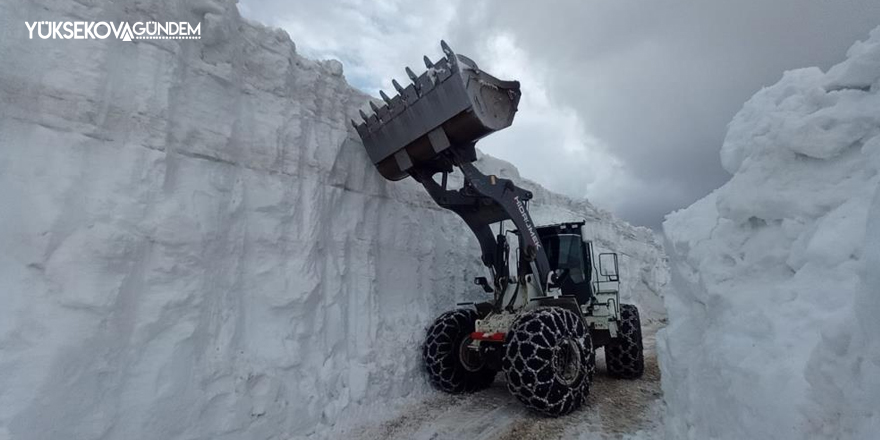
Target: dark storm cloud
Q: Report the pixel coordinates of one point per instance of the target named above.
(642, 90)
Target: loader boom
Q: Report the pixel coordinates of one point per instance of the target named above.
(485, 200)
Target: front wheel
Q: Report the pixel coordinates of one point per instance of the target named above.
(451, 365)
(549, 360)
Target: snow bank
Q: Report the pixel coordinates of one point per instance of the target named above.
(774, 301)
(195, 244)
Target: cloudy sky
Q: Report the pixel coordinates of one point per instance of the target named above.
(624, 102)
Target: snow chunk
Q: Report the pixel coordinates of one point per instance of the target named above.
(861, 70)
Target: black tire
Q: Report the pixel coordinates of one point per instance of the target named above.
(442, 354)
(549, 360)
(624, 355)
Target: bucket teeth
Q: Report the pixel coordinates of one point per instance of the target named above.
(450, 55)
(363, 115)
(428, 63)
(374, 107)
(446, 50)
(397, 87)
(412, 76)
(385, 97)
(354, 124)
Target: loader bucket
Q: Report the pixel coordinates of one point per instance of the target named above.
(449, 107)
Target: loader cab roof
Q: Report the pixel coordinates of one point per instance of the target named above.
(559, 228)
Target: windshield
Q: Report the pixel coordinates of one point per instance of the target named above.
(564, 251)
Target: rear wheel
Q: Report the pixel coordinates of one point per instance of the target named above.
(549, 360)
(624, 355)
(451, 365)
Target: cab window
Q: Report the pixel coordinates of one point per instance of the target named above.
(565, 252)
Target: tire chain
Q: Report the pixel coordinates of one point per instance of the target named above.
(440, 354)
(528, 362)
(624, 356)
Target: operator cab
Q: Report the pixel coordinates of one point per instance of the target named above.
(569, 258)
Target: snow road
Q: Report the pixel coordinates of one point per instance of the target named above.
(615, 409)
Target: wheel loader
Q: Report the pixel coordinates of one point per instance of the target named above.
(559, 301)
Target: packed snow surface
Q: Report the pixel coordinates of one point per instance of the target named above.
(615, 410)
(196, 246)
(775, 298)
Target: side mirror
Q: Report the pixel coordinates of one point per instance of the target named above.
(608, 266)
(482, 281)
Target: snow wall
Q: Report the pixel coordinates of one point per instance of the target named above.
(773, 308)
(195, 245)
